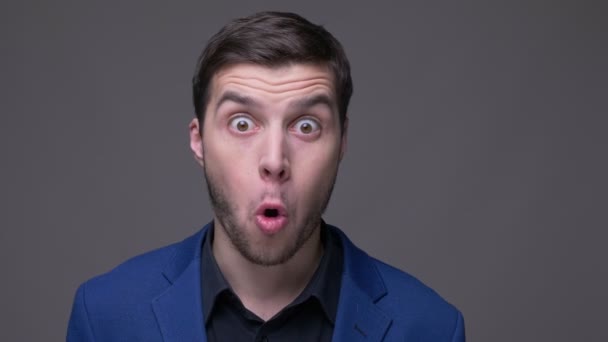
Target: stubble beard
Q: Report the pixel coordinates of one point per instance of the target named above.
(226, 215)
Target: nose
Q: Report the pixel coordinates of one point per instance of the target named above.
(274, 160)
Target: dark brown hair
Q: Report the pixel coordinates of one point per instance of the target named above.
(272, 39)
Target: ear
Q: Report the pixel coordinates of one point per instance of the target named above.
(344, 141)
(196, 140)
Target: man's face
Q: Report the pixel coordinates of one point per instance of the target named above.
(270, 148)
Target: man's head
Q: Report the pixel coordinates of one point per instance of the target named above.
(272, 39)
(271, 93)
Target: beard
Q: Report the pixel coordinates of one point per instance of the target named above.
(225, 213)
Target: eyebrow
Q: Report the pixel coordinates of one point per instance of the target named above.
(307, 102)
(236, 98)
(298, 105)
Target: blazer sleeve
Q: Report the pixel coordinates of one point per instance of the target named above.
(458, 335)
(79, 327)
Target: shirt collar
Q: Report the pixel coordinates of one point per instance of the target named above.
(213, 282)
(324, 284)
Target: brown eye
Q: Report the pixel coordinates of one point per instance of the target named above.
(241, 124)
(307, 126)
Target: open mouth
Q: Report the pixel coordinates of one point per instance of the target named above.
(271, 212)
(271, 218)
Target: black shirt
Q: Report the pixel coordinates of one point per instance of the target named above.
(310, 317)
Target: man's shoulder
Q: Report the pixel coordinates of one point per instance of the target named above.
(403, 287)
(142, 277)
(410, 302)
(401, 296)
(117, 305)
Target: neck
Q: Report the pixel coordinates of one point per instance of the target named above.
(265, 290)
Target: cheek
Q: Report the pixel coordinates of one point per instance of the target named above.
(229, 165)
(315, 168)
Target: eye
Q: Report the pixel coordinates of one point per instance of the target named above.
(241, 124)
(306, 126)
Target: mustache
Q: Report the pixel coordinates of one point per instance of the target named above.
(273, 194)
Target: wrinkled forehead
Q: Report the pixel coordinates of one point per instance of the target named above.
(273, 84)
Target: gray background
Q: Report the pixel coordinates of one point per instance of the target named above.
(477, 156)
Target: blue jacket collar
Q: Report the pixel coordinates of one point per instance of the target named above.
(359, 318)
(178, 309)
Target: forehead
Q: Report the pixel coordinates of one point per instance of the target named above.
(273, 83)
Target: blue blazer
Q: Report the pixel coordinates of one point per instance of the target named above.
(157, 297)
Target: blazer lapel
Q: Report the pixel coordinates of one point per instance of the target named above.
(179, 310)
(359, 318)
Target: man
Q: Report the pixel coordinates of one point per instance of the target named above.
(271, 93)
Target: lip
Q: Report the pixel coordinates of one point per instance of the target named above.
(271, 225)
